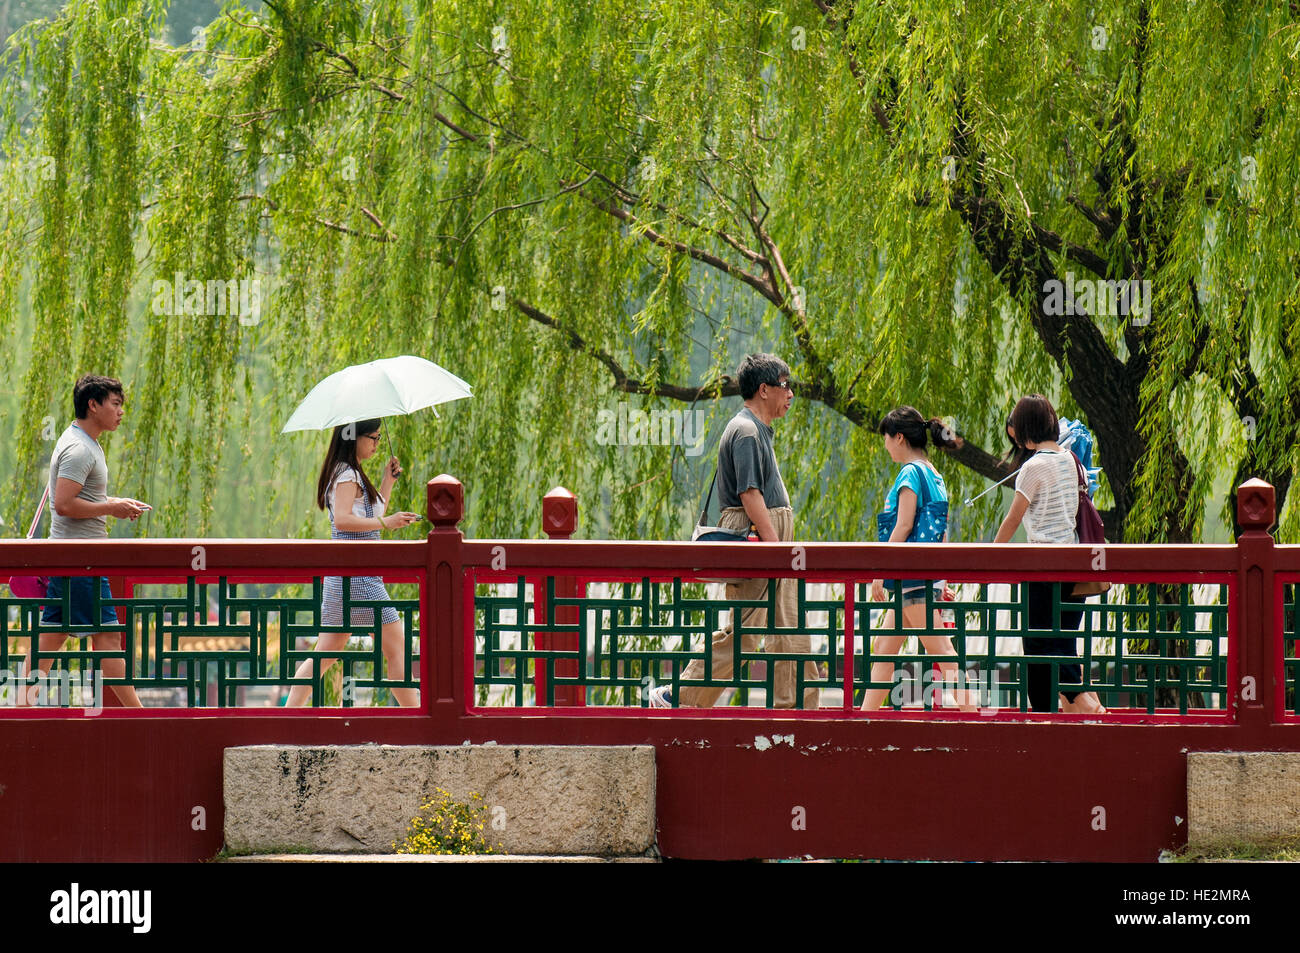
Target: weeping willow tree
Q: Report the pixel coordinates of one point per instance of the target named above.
(578, 205)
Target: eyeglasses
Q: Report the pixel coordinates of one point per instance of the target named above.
(783, 384)
(372, 436)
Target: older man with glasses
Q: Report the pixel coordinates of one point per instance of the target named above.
(752, 495)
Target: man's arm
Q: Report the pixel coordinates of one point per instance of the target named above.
(70, 506)
(748, 468)
(756, 510)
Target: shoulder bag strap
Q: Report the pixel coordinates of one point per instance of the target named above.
(925, 484)
(704, 510)
(1077, 487)
(1079, 472)
(36, 520)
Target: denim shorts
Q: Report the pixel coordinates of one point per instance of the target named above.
(81, 599)
(915, 597)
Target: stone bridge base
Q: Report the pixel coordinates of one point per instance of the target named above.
(1242, 797)
(537, 799)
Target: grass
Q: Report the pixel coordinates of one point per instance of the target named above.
(226, 852)
(1277, 848)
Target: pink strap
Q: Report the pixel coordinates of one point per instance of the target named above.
(31, 530)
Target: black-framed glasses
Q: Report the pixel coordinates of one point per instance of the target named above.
(784, 384)
(372, 436)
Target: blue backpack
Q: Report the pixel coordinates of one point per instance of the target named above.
(1078, 439)
(929, 525)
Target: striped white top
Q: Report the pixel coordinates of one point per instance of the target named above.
(1050, 482)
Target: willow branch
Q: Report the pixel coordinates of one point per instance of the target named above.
(759, 284)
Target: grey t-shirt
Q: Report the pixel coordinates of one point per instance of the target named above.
(746, 461)
(79, 458)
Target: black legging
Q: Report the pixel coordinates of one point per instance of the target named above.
(1038, 595)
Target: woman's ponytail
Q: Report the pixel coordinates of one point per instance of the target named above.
(940, 435)
(909, 422)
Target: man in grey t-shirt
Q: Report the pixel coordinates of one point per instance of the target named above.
(752, 494)
(80, 506)
(746, 462)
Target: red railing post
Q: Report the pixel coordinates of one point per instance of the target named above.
(442, 647)
(1256, 691)
(559, 521)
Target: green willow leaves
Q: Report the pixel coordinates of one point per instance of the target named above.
(573, 205)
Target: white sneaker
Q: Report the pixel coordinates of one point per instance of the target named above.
(659, 697)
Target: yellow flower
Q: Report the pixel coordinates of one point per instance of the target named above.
(447, 826)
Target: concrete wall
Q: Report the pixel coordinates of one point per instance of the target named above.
(539, 799)
(1242, 797)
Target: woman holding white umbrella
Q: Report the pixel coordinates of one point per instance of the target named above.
(393, 385)
(356, 511)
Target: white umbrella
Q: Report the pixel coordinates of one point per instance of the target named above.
(394, 385)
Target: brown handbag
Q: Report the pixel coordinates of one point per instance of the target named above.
(1088, 523)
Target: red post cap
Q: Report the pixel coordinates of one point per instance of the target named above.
(1256, 507)
(559, 513)
(445, 501)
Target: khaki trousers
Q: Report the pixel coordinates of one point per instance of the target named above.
(783, 679)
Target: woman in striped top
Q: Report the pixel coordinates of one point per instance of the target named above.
(1047, 502)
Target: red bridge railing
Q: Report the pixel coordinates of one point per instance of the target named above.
(1049, 771)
